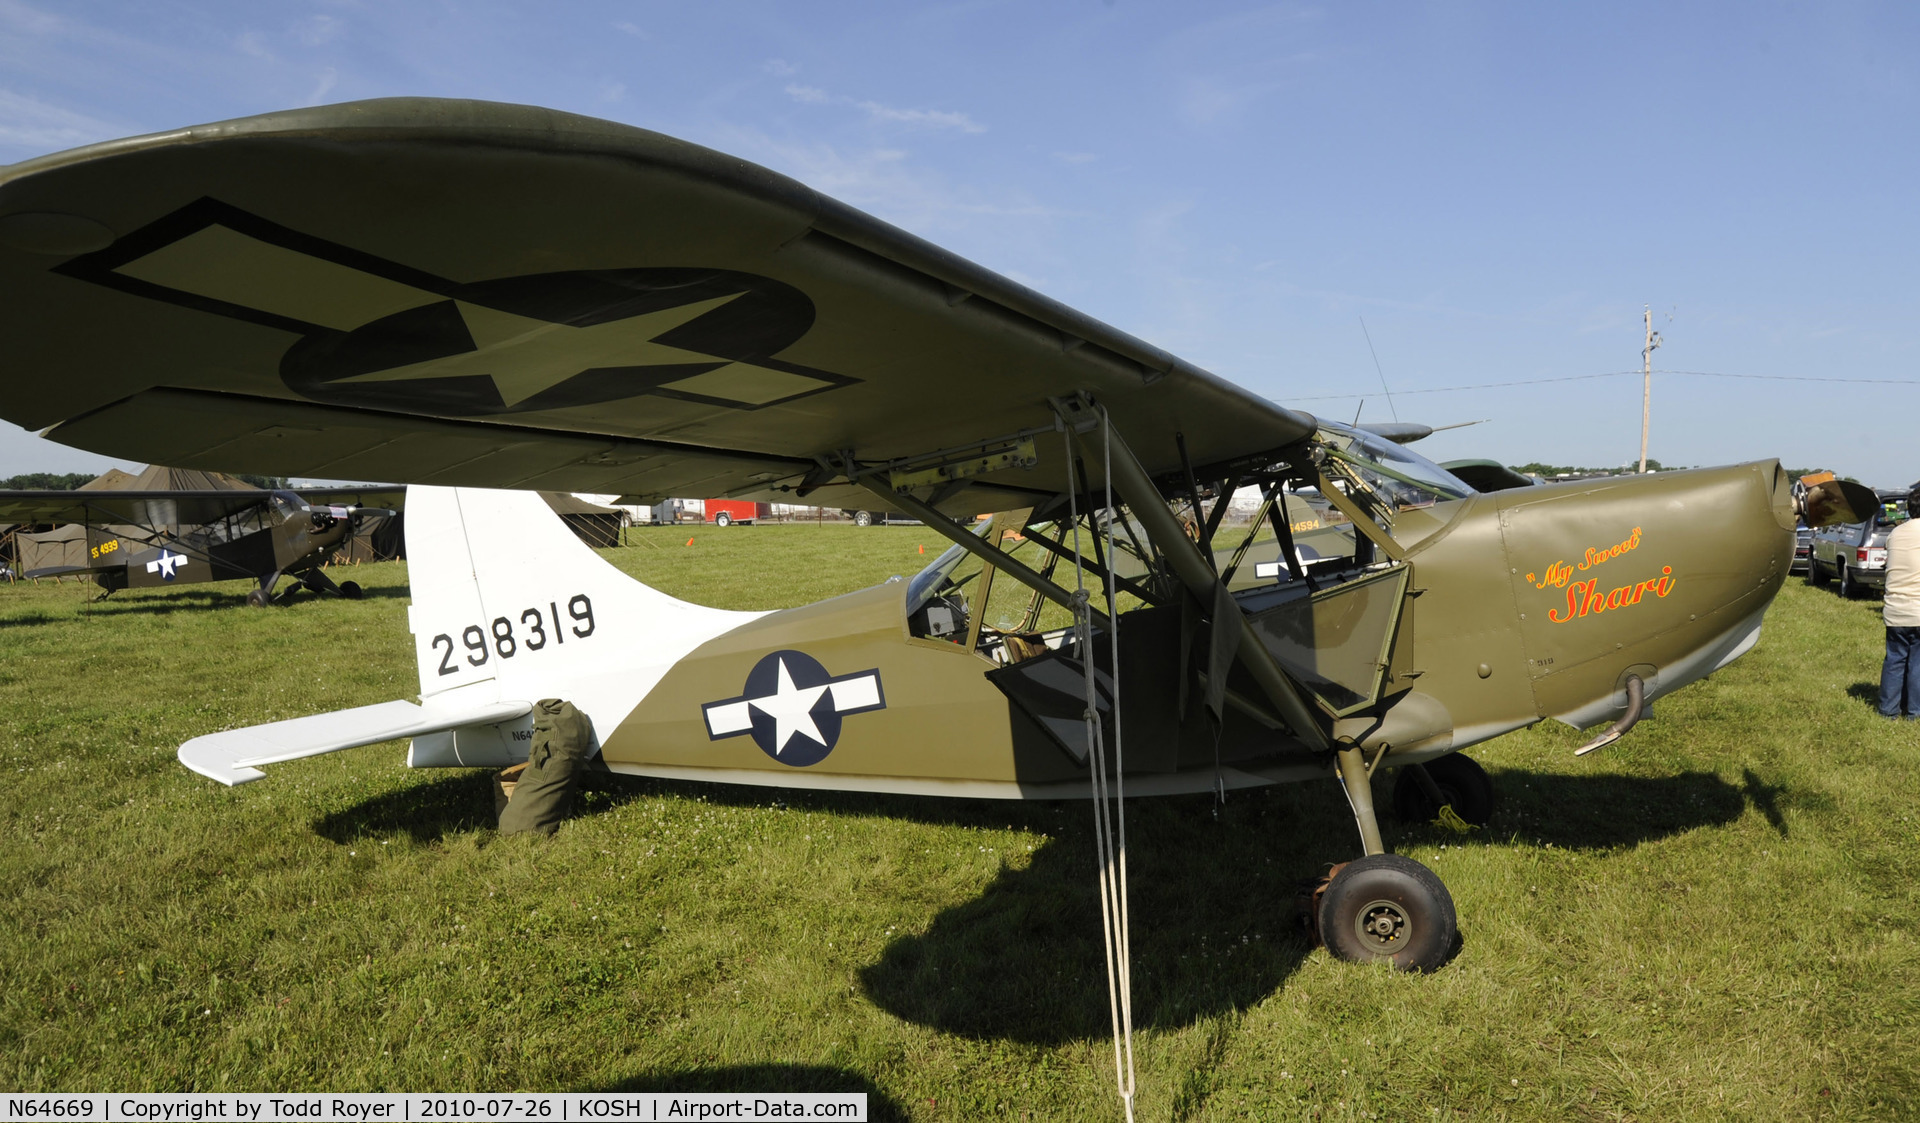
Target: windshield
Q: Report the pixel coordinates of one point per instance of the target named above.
(1400, 477)
(939, 577)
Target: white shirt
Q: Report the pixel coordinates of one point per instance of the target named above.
(1902, 605)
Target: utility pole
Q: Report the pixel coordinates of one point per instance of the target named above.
(1646, 385)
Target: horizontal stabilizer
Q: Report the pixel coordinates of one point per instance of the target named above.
(235, 756)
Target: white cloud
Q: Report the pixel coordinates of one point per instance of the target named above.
(612, 91)
(1075, 157)
(779, 68)
(28, 19)
(938, 118)
(630, 28)
(877, 111)
(328, 79)
(255, 44)
(31, 123)
(884, 181)
(318, 31)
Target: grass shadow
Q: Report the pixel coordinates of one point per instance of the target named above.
(772, 1078)
(26, 620)
(427, 812)
(456, 803)
(1215, 924)
(1604, 811)
(1866, 693)
(1215, 927)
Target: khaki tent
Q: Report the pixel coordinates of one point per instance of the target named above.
(595, 525)
(63, 548)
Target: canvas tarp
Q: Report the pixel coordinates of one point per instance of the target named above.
(595, 525)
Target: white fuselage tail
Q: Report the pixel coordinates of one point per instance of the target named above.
(508, 604)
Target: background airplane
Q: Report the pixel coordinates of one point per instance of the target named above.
(157, 538)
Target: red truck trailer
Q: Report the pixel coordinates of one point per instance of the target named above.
(726, 512)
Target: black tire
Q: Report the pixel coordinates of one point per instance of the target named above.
(1849, 588)
(1387, 908)
(1816, 575)
(723, 519)
(1462, 782)
(257, 599)
(350, 590)
(863, 518)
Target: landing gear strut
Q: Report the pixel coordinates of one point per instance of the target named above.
(1451, 781)
(1386, 907)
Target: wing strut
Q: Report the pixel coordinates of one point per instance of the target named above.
(966, 540)
(1137, 490)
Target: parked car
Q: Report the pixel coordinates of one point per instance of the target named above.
(1802, 548)
(1856, 553)
(879, 518)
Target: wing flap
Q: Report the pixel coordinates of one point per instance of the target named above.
(235, 756)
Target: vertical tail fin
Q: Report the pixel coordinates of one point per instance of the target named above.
(507, 601)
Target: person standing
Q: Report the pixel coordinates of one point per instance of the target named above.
(1900, 672)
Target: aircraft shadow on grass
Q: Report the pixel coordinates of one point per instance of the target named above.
(187, 600)
(1215, 924)
(762, 1078)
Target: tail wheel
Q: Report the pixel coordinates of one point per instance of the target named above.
(1462, 783)
(723, 519)
(1387, 908)
(350, 590)
(256, 598)
(863, 518)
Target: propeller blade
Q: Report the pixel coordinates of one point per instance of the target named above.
(1834, 502)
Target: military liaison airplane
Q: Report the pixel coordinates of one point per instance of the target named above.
(155, 539)
(491, 296)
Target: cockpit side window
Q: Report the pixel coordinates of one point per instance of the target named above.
(1398, 477)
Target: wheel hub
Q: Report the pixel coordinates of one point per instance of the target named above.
(1382, 926)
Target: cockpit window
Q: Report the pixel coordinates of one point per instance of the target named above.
(286, 504)
(1401, 478)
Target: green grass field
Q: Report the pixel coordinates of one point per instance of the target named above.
(1714, 919)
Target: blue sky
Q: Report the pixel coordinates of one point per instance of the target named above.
(1495, 190)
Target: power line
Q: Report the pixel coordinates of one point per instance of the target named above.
(1622, 374)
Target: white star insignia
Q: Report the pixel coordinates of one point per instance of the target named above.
(791, 708)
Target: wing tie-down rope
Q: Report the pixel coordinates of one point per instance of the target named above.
(1109, 803)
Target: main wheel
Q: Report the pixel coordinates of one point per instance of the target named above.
(1849, 588)
(863, 518)
(1386, 907)
(256, 599)
(723, 519)
(1462, 783)
(1816, 574)
(350, 590)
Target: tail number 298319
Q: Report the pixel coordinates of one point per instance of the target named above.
(505, 638)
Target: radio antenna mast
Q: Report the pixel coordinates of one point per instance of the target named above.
(1646, 384)
(1376, 366)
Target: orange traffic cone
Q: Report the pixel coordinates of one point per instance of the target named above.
(923, 549)
(689, 541)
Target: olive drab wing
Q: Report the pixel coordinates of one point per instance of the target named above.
(594, 307)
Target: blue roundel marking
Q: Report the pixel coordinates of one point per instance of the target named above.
(793, 708)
